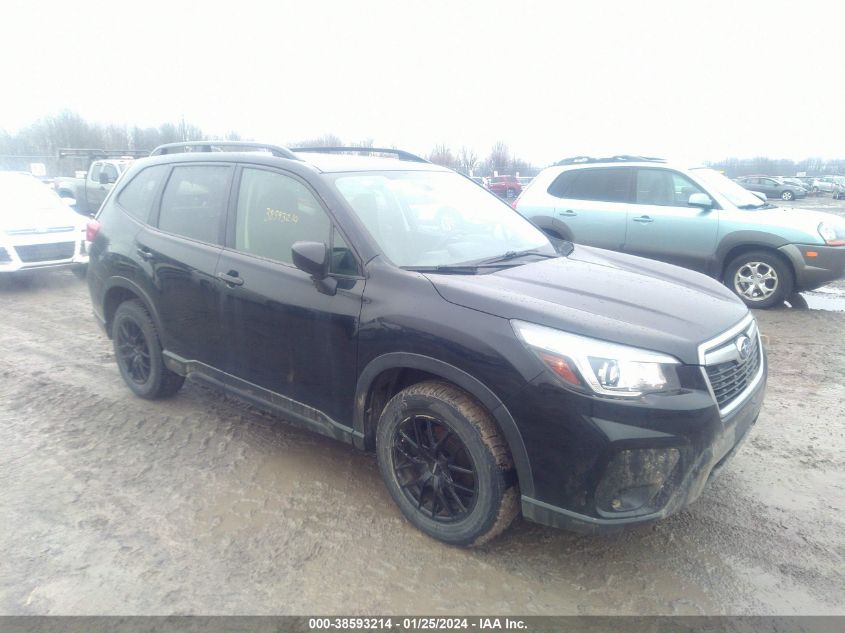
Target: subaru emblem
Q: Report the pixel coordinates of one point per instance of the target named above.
(744, 347)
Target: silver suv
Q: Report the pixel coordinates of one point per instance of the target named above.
(692, 217)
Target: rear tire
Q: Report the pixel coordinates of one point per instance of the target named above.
(760, 278)
(787, 195)
(446, 465)
(137, 349)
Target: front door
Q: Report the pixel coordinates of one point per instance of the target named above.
(289, 335)
(662, 225)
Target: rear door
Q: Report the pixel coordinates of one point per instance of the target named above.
(663, 226)
(286, 333)
(182, 248)
(593, 204)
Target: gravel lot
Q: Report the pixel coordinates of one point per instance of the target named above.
(202, 504)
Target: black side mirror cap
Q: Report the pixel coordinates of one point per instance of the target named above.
(312, 258)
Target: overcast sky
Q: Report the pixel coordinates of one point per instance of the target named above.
(693, 80)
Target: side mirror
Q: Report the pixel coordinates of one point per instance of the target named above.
(104, 178)
(701, 200)
(314, 259)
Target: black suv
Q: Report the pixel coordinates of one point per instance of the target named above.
(490, 369)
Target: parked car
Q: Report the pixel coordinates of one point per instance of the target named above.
(834, 185)
(829, 184)
(524, 181)
(37, 229)
(795, 181)
(772, 187)
(696, 218)
(87, 193)
(489, 367)
(505, 186)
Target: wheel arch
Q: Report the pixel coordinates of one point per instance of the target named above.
(387, 374)
(120, 289)
(741, 241)
(551, 226)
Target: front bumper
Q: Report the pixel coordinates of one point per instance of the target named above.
(814, 271)
(567, 490)
(35, 252)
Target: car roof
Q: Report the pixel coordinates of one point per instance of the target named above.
(322, 160)
(329, 163)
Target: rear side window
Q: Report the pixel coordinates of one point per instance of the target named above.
(194, 202)
(137, 197)
(274, 212)
(604, 185)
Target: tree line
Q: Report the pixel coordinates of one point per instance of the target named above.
(735, 167)
(41, 141)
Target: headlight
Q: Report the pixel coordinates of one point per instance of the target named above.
(607, 369)
(832, 234)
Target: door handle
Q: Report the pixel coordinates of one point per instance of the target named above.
(643, 219)
(231, 278)
(144, 253)
(569, 213)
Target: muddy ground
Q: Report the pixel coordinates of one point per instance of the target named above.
(201, 504)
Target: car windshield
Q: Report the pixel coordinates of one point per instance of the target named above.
(431, 218)
(735, 194)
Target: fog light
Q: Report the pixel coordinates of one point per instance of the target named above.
(634, 479)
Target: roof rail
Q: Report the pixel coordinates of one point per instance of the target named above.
(94, 154)
(399, 153)
(222, 146)
(622, 158)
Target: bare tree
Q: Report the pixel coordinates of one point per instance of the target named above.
(467, 160)
(499, 160)
(442, 155)
(326, 140)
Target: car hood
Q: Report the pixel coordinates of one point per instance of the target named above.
(793, 218)
(40, 216)
(606, 295)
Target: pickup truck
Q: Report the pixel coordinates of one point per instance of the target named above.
(87, 193)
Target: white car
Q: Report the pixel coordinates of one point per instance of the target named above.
(37, 228)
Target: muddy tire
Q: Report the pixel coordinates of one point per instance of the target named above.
(446, 464)
(137, 349)
(760, 278)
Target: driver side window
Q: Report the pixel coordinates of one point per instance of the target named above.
(664, 188)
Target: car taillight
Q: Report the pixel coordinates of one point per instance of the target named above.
(91, 230)
(515, 202)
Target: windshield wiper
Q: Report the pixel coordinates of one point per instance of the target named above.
(514, 254)
(460, 269)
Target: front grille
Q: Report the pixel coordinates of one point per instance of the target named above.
(730, 379)
(45, 252)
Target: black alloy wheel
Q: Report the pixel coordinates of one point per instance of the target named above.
(434, 468)
(446, 465)
(134, 351)
(137, 349)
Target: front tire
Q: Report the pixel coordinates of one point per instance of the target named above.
(446, 465)
(137, 349)
(760, 278)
